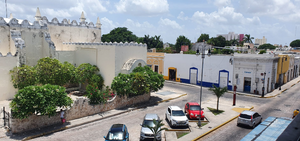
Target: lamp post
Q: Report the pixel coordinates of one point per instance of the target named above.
(202, 56)
(263, 88)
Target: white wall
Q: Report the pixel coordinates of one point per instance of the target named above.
(6, 87)
(212, 66)
(254, 67)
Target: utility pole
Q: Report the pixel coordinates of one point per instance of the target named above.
(6, 7)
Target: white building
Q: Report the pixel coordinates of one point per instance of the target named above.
(251, 70)
(229, 36)
(24, 43)
(186, 68)
(261, 41)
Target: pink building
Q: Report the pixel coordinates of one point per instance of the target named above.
(241, 37)
(184, 48)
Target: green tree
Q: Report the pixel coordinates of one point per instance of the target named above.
(120, 34)
(182, 40)
(152, 42)
(248, 38)
(23, 76)
(262, 52)
(266, 46)
(219, 41)
(218, 92)
(203, 37)
(295, 43)
(39, 100)
(157, 128)
(49, 71)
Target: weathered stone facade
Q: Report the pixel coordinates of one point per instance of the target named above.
(80, 108)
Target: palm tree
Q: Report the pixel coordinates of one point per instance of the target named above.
(218, 92)
(156, 128)
(248, 38)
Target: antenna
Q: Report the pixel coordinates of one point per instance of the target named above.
(6, 7)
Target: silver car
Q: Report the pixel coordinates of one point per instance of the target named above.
(146, 133)
(249, 118)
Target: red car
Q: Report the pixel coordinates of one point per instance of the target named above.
(192, 109)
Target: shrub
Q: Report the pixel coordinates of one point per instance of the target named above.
(23, 76)
(96, 96)
(142, 80)
(42, 100)
(85, 72)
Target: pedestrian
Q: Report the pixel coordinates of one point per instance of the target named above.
(296, 112)
(62, 113)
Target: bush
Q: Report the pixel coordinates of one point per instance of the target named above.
(37, 100)
(142, 80)
(96, 96)
(23, 76)
(85, 72)
(262, 52)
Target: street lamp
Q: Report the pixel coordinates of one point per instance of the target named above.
(281, 78)
(202, 56)
(263, 88)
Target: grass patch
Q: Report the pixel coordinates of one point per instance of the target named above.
(214, 111)
(181, 134)
(203, 123)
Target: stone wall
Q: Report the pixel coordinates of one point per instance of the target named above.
(80, 108)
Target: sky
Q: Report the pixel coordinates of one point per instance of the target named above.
(277, 20)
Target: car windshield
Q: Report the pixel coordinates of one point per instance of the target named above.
(195, 108)
(115, 136)
(177, 113)
(149, 123)
(245, 116)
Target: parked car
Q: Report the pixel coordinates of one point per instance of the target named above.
(117, 132)
(176, 116)
(146, 133)
(249, 118)
(192, 110)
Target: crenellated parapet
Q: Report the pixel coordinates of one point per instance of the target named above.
(13, 22)
(65, 22)
(20, 45)
(52, 48)
(7, 55)
(108, 44)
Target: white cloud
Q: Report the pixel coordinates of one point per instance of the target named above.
(168, 22)
(285, 10)
(143, 7)
(56, 13)
(222, 3)
(224, 16)
(107, 25)
(182, 17)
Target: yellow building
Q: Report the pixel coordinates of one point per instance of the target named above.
(155, 61)
(282, 69)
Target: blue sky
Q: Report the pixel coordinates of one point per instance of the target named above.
(277, 20)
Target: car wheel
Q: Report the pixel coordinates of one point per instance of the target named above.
(260, 121)
(237, 124)
(253, 126)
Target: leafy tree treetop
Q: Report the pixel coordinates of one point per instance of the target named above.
(152, 42)
(295, 43)
(182, 40)
(248, 38)
(266, 46)
(203, 37)
(120, 34)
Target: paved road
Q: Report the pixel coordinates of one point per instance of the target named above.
(280, 106)
(96, 130)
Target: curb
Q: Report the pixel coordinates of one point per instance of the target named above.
(76, 125)
(217, 127)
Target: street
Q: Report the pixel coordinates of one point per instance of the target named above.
(282, 105)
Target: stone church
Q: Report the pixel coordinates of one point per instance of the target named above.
(24, 43)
